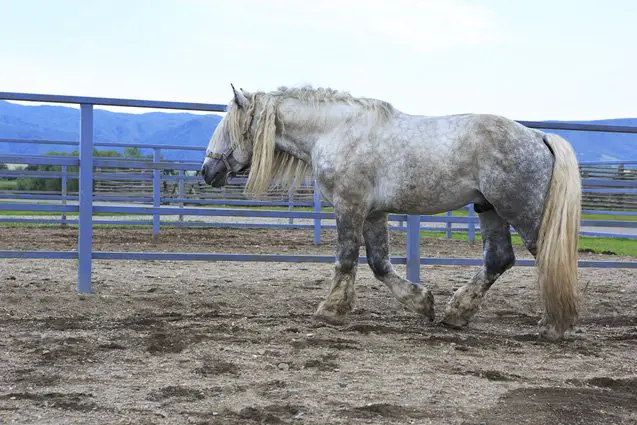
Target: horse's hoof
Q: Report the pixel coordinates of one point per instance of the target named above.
(454, 321)
(456, 317)
(325, 319)
(323, 316)
(462, 306)
(549, 332)
(421, 301)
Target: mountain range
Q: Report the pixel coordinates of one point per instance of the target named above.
(45, 122)
(61, 123)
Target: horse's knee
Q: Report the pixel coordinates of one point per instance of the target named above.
(380, 266)
(499, 261)
(347, 256)
(346, 265)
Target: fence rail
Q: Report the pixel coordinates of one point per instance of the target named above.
(86, 202)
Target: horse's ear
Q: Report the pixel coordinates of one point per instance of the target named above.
(240, 98)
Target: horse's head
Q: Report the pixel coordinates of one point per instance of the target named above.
(247, 137)
(230, 147)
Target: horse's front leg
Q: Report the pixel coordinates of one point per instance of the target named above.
(413, 296)
(341, 298)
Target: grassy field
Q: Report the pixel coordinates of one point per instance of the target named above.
(8, 184)
(49, 214)
(613, 246)
(310, 209)
(616, 246)
(599, 245)
(464, 213)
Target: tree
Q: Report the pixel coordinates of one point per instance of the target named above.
(54, 184)
(132, 152)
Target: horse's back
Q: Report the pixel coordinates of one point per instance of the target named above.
(441, 163)
(480, 141)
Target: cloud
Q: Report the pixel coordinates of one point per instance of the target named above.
(414, 25)
(423, 25)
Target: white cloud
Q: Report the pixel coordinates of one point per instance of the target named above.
(416, 25)
(371, 48)
(419, 26)
(424, 56)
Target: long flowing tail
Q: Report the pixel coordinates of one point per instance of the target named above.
(558, 242)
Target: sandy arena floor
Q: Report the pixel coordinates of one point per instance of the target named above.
(233, 343)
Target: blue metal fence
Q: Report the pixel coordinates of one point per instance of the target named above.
(87, 206)
(612, 187)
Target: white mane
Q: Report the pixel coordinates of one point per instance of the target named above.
(270, 165)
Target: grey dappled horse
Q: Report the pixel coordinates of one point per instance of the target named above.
(370, 159)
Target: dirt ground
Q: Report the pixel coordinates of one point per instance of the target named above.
(233, 343)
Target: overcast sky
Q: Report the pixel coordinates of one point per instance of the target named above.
(525, 59)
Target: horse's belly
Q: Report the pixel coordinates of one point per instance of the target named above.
(418, 197)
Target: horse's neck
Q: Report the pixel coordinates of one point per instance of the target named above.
(297, 146)
(304, 125)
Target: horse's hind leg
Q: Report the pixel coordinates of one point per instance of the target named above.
(341, 298)
(498, 257)
(413, 296)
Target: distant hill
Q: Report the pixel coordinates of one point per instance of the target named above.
(595, 146)
(62, 123)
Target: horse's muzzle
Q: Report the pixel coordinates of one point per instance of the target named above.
(214, 173)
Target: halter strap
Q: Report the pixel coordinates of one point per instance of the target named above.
(222, 156)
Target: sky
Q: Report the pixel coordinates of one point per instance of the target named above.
(524, 59)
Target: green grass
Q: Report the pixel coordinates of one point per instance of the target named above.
(464, 213)
(609, 217)
(622, 247)
(52, 213)
(598, 245)
(54, 225)
(33, 213)
(459, 213)
(10, 213)
(8, 184)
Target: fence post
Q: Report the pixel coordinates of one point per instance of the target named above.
(448, 226)
(63, 185)
(471, 234)
(156, 189)
(413, 248)
(85, 219)
(317, 209)
(180, 190)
